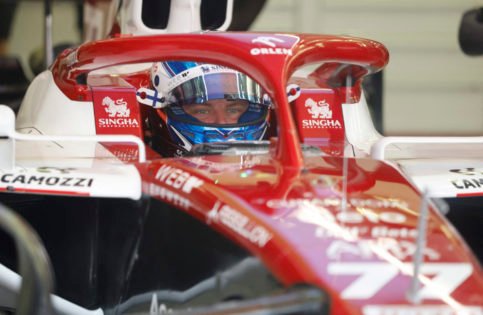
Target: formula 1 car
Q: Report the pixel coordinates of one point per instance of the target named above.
(326, 216)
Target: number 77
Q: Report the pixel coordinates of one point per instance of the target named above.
(374, 276)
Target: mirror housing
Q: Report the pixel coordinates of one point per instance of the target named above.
(470, 35)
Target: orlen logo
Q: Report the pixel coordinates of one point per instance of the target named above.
(321, 114)
(272, 48)
(118, 112)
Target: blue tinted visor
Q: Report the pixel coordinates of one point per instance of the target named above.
(230, 85)
(233, 113)
(197, 101)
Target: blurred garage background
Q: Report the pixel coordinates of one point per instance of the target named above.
(430, 86)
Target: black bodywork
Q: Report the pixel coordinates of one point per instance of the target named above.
(115, 253)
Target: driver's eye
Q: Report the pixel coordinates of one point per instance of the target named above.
(197, 110)
(200, 111)
(237, 107)
(235, 110)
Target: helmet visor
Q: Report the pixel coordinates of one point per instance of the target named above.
(229, 85)
(219, 112)
(228, 98)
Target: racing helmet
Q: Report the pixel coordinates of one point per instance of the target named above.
(208, 103)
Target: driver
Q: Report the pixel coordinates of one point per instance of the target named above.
(201, 103)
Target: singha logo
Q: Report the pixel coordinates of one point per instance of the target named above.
(318, 109)
(116, 108)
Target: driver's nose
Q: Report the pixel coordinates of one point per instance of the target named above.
(220, 117)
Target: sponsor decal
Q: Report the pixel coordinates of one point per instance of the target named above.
(40, 180)
(320, 109)
(118, 122)
(315, 211)
(168, 195)
(384, 231)
(474, 179)
(271, 51)
(116, 111)
(421, 310)
(318, 113)
(209, 68)
(183, 77)
(150, 97)
(368, 249)
(468, 183)
(470, 171)
(178, 179)
(349, 233)
(244, 161)
(321, 124)
(350, 224)
(293, 92)
(337, 202)
(355, 232)
(321, 116)
(438, 280)
(117, 108)
(272, 48)
(239, 223)
(378, 203)
(268, 41)
(124, 152)
(51, 169)
(354, 217)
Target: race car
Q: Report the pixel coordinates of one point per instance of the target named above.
(297, 206)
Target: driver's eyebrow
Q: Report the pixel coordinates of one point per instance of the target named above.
(235, 103)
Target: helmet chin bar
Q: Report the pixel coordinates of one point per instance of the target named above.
(184, 143)
(213, 135)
